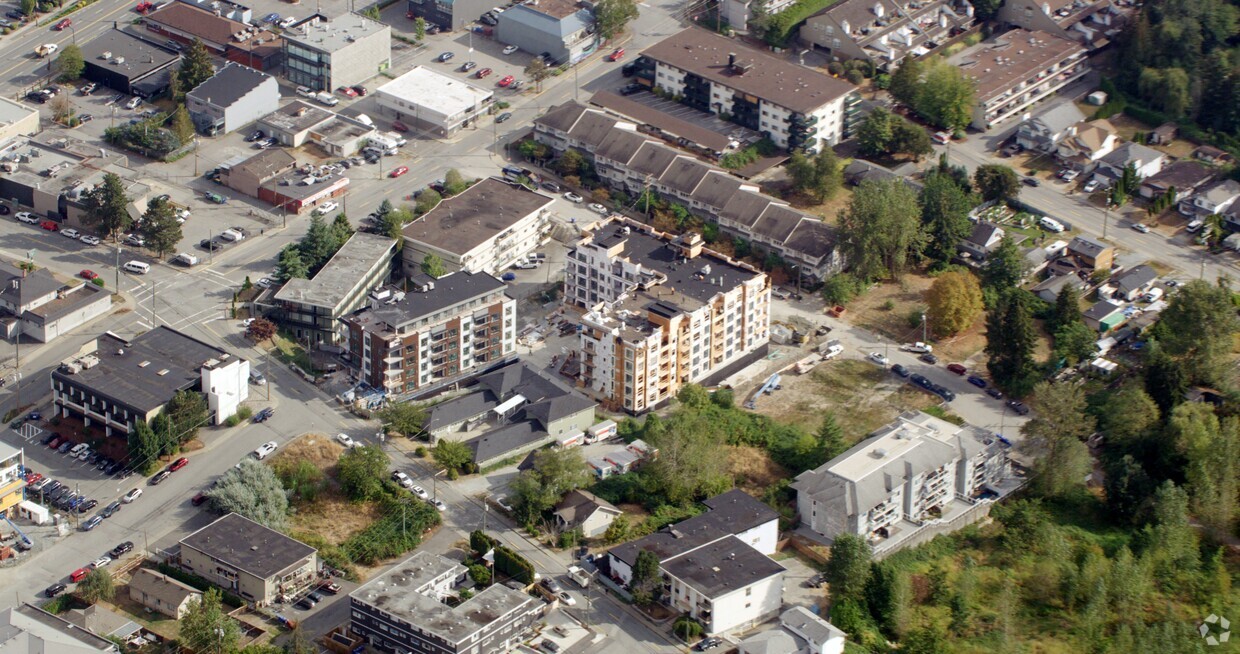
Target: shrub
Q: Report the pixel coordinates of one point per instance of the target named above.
(841, 288)
(98, 281)
(480, 543)
(233, 421)
(480, 574)
(514, 565)
(245, 412)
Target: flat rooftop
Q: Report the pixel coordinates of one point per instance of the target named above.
(768, 77)
(436, 92)
(296, 116)
(911, 438)
(730, 513)
(12, 111)
(339, 278)
(248, 546)
(1001, 63)
(140, 56)
(726, 565)
(450, 291)
(662, 121)
(461, 223)
(318, 33)
(342, 129)
(402, 592)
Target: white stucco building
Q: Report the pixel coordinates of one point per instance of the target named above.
(429, 101)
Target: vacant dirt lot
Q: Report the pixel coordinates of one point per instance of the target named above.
(889, 308)
(330, 515)
(753, 469)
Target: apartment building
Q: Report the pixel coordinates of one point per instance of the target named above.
(325, 55)
(914, 471)
(1017, 70)
(884, 32)
(631, 161)
(796, 107)
(245, 558)
(1092, 23)
(12, 478)
(716, 566)
(660, 312)
(445, 329)
(406, 609)
(312, 308)
(738, 12)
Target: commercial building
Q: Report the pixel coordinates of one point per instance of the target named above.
(915, 472)
(38, 306)
(659, 313)
(511, 411)
(716, 565)
(182, 22)
(28, 628)
(249, 174)
(884, 32)
(486, 228)
(796, 107)
(233, 98)
(430, 101)
(293, 123)
(52, 173)
(12, 478)
(160, 593)
(585, 511)
(406, 609)
(325, 55)
(312, 308)
(16, 119)
(114, 383)
(412, 343)
(129, 64)
(562, 28)
(449, 15)
(1015, 71)
(249, 560)
(632, 162)
(273, 176)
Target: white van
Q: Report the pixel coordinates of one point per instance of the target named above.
(137, 267)
(1195, 225)
(232, 235)
(186, 259)
(327, 99)
(1050, 224)
(365, 120)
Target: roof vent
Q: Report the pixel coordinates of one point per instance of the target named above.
(880, 453)
(163, 372)
(144, 364)
(118, 61)
(120, 351)
(106, 55)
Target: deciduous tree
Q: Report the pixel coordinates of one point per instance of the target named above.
(1198, 327)
(881, 229)
(361, 471)
(419, 28)
(955, 302)
(182, 125)
(70, 63)
(1075, 342)
(1005, 267)
(261, 330)
(554, 473)
(452, 456)
(1055, 438)
(206, 628)
(454, 182)
(819, 177)
(996, 182)
(876, 132)
(404, 418)
(910, 139)
(945, 96)
(432, 265)
(612, 16)
(906, 81)
(251, 489)
(96, 587)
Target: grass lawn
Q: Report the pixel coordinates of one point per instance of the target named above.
(288, 351)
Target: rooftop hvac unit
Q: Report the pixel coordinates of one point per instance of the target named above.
(118, 61)
(106, 55)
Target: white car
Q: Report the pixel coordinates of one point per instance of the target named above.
(266, 282)
(1141, 227)
(133, 103)
(566, 599)
(70, 233)
(264, 450)
(599, 209)
(325, 208)
(1050, 224)
(1091, 186)
(510, 49)
(403, 479)
(90, 240)
(85, 454)
(438, 504)
(346, 440)
(287, 22)
(101, 562)
(27, 217)
(573, 197)
(132, 495)
(420, 492)
(879, 358)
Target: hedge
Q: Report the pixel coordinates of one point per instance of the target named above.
(481, 543)
(514, 565)
(194, 580)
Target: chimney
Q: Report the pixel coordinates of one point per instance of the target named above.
(731, 60)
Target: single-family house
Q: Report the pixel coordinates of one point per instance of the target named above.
(1212, 155)
(1215, 198)
(1103, 316)
(160, 593)
(1134, 282)
(1050, 289)
(1183, 177)
(1045, 131)
(1090, 253)
(1093, 140)
(1145, 162)
(586, 511)
(978, 245)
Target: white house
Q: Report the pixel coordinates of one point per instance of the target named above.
(1146, 162)
(1215, 198)
(1044, 132)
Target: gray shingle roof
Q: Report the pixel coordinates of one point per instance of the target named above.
(229, 84)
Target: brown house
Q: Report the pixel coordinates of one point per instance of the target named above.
(1090, 253)
(159, 592)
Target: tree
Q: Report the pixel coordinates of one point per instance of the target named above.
(160, 227)
(537, 71)
(106, 207)
(1197, 328)
(955, 302)
(848, 570)
(252, 490)
(945, 96)
(1055, 438)
(206, 628)
(1005, 267)
(944, 216)
(452, 456)
(881, 228)
(1075, 342)
(1210, 449)
(196, 67)
(361, 471)
(432, 265)
(419, 28)
(876, 132)
(553, 474)
(261, 330)
(427, 200)
(840, 288)
(187, 412)
(70, 63)
(1067, 309)
(28, 7)
(570, 163)
(62, 109)
(910, 139)
(182, 126)
(984, 10)
(996, 182)
(341, 230)
(404, 418)
(831, 437)
(291, 265)
(372, 12)
(319, 243)
(819, 177)
(1165, 378)
(96, 587)
(454, 183)
(144, 447)
(392, 222)
(298, 643)
(1010, 340)
(906, 81)
(612, 16)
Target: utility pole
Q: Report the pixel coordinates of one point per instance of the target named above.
(118, 266)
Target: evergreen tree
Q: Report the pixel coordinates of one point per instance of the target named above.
(160, 228)
(182, 126)
(319, 243)
(906, 81)
(996, 182)
(341, 230)
(107, 207)
(944, 216)
(848, 570)
(196, 67)
(1165, 378)
(1010, 340)
(206, 628)
(291, 265)
(831, 437)
(1067, 307)
(1005, 267)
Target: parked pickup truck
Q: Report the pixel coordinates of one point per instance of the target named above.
(580, 576)
(830, 350)
(918, 347)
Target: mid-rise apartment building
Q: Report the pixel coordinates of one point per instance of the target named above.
(661, 312)
(916, 470)
(795, 106)
(12, 477)
(884, 32)
(325, 55)
(1017, 70)
(245, 558)
(312, 308)
(447, 328)
(1092, 23)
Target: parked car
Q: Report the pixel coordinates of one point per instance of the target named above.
(88, 275)
(573, 197)
(399, 127)
(900, 370)
(178, 464)
(1019, 407)
(1091, 186)
(482, 72)
(50, 225)
(346, 440)
(157, 479)
(438, 504)
(90, 240)
(630, 89)
(133, 103)
(27, 217)
(54, 590)
(928, 358)
(503, 117)
(707, 644)
(347, 91)
(976, 381)
(404, 480)
(994, 392)
(506, 81)
(122, 549)
(71, 233)
(1141, 227)
(91, 524)
(264, 450)
(420, 492)
(879, 358)
(510, 49)
(1031, 181)
(957, 368)
(446, 56)
(467, 66)
(1050, 224)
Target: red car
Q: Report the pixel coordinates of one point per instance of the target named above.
(482, 72)
(33, 477)
(398, 171)
(50, 225)
(88, 275)
(616, 54)
(178, 464)
(957, 368)
(347, 91)
(63, 24)
(508, 79)
(399, 126)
